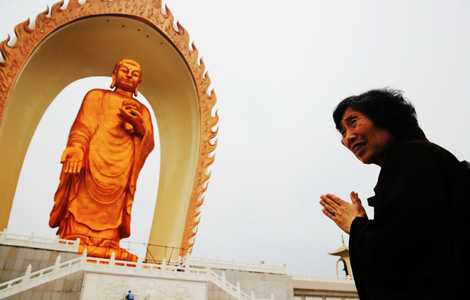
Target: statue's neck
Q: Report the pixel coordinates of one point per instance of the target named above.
(123, 92)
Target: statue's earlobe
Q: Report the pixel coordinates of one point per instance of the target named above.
(136, 88)
(113, 83)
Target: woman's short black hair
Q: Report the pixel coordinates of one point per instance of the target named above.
(386, 108)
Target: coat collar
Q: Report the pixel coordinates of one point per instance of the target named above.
(409, 134)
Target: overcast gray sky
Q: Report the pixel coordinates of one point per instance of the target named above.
(278, 69)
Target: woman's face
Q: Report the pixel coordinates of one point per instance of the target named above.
(366, 141)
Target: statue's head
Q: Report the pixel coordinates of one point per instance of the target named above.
(127, 75)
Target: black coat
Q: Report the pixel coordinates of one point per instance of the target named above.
(414, 247)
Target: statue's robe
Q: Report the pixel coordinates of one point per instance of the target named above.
(101, 195)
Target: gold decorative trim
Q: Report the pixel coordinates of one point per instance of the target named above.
(149, 12)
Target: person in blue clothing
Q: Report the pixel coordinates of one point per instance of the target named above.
(130, 296)
(416, 245)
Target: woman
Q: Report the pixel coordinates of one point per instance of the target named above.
(414, 246)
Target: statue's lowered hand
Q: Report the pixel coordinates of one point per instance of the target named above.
(72, 159)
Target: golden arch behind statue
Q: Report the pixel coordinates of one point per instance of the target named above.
(84, 40)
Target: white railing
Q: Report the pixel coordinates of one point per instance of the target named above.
(236, 265)
(32, 241)
(90, 264)
(327, 278)
(30, 280)
(234, 291)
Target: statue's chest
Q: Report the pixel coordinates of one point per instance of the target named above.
(110, 111)
(113, 104)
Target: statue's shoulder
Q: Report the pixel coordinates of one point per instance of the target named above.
(96, 93)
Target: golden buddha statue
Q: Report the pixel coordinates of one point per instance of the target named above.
(107, 146)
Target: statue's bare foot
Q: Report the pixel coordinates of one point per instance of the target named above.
(119, 253)
(123, 254)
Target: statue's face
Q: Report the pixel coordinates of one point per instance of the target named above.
(128, 77)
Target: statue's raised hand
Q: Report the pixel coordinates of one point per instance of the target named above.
(132, 116)
(72, 159)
